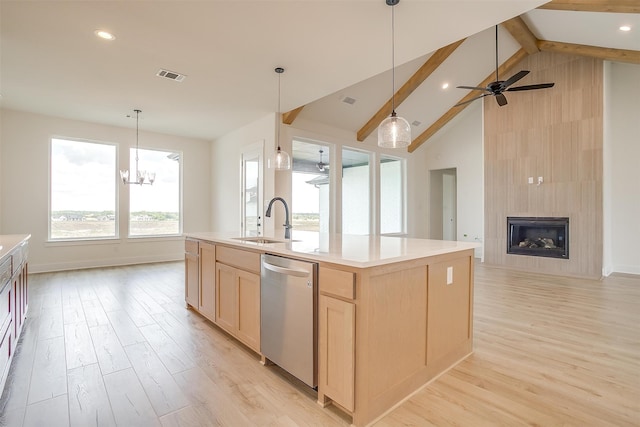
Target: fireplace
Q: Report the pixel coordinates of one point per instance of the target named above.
(545, 237)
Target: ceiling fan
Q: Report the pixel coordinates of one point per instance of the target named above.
(499, 86)
(322, 166)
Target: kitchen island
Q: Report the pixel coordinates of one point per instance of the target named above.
(393, 313)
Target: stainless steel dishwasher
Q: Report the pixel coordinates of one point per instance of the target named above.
(288, 313)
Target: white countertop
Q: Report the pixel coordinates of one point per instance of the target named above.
(351, 250)
(8, 242)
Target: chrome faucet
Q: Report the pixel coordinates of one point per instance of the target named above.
(287, 224)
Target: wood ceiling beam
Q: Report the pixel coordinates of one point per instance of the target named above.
(523, 35)
(290, 116)
(412, 84)
(609, 54)
(454, 111)
(615, 6)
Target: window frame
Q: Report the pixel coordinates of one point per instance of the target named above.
(116, 235)
(127, 217)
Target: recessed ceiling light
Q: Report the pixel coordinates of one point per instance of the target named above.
(445, 85)
(625, 28)
(104, 35)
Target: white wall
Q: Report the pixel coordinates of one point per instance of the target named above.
(459, 145)
(24, 189)
(621, 168)
(226, 173)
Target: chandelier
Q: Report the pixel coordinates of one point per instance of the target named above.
(142, 177)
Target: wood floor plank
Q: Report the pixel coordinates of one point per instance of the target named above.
(51, 413)
(49, 377)
(548, 351)
(130, 404)
(94, 313)
(109, 352)
(164, 394)
(51, 322)
(88, 401)
(171, 355)
(124, 327)
(78, 345)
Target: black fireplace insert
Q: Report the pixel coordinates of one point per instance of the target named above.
(538, 236)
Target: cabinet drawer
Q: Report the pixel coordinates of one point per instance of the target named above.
(191, 246)
(5, 351)
(249, 261)
(5, 307)
(19, 255)
(337, 282)
(5, 271)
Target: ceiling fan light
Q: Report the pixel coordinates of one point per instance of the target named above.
(394, 132)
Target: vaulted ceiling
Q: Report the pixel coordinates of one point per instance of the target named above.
(52, 63)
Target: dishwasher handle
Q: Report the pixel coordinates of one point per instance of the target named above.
(284, 270)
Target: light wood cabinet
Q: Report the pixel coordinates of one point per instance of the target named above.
(248, 309)
(337, 346)
(14, 297)
(238, 294)
(207, 297)
(336, 332)
(192, 273)
(226, 297)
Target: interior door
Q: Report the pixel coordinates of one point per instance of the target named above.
(252, 190)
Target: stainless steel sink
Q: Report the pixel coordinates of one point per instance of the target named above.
(259, 239)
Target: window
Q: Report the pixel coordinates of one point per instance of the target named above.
(391, 195)
(154, 210)
(310, 187)
(83, 190)
(355, 192)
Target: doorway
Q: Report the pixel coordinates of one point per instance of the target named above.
(443, 205)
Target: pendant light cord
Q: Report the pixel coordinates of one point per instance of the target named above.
(393, 62)
(279, 71)
(497, 53)
(137, 138)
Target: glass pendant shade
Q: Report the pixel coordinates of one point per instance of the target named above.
(394, 132)
(280, 160)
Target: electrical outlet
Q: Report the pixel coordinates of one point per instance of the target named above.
(530, 180)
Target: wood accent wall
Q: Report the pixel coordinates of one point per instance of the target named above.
(555, 133)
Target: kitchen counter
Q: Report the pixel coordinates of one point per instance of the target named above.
(9, 242)
(392, 313)
(349, 250)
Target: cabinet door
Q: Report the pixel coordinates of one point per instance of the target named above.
(207, 302)
(337, 350)
(226, 301)
(249, 309)
(191, 280)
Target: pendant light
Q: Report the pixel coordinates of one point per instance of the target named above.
(142, 177)
(280, 160)
(394, 131)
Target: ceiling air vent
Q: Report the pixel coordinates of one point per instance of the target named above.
(171, 75)
(416, 123)
(348, 100)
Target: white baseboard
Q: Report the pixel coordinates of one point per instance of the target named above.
(106, 262)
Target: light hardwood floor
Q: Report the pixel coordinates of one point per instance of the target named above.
(115, 346)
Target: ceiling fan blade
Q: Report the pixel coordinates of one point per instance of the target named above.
(471, 100)
(517, 76)
(531, 87)
(501, 99)
(471, 87)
